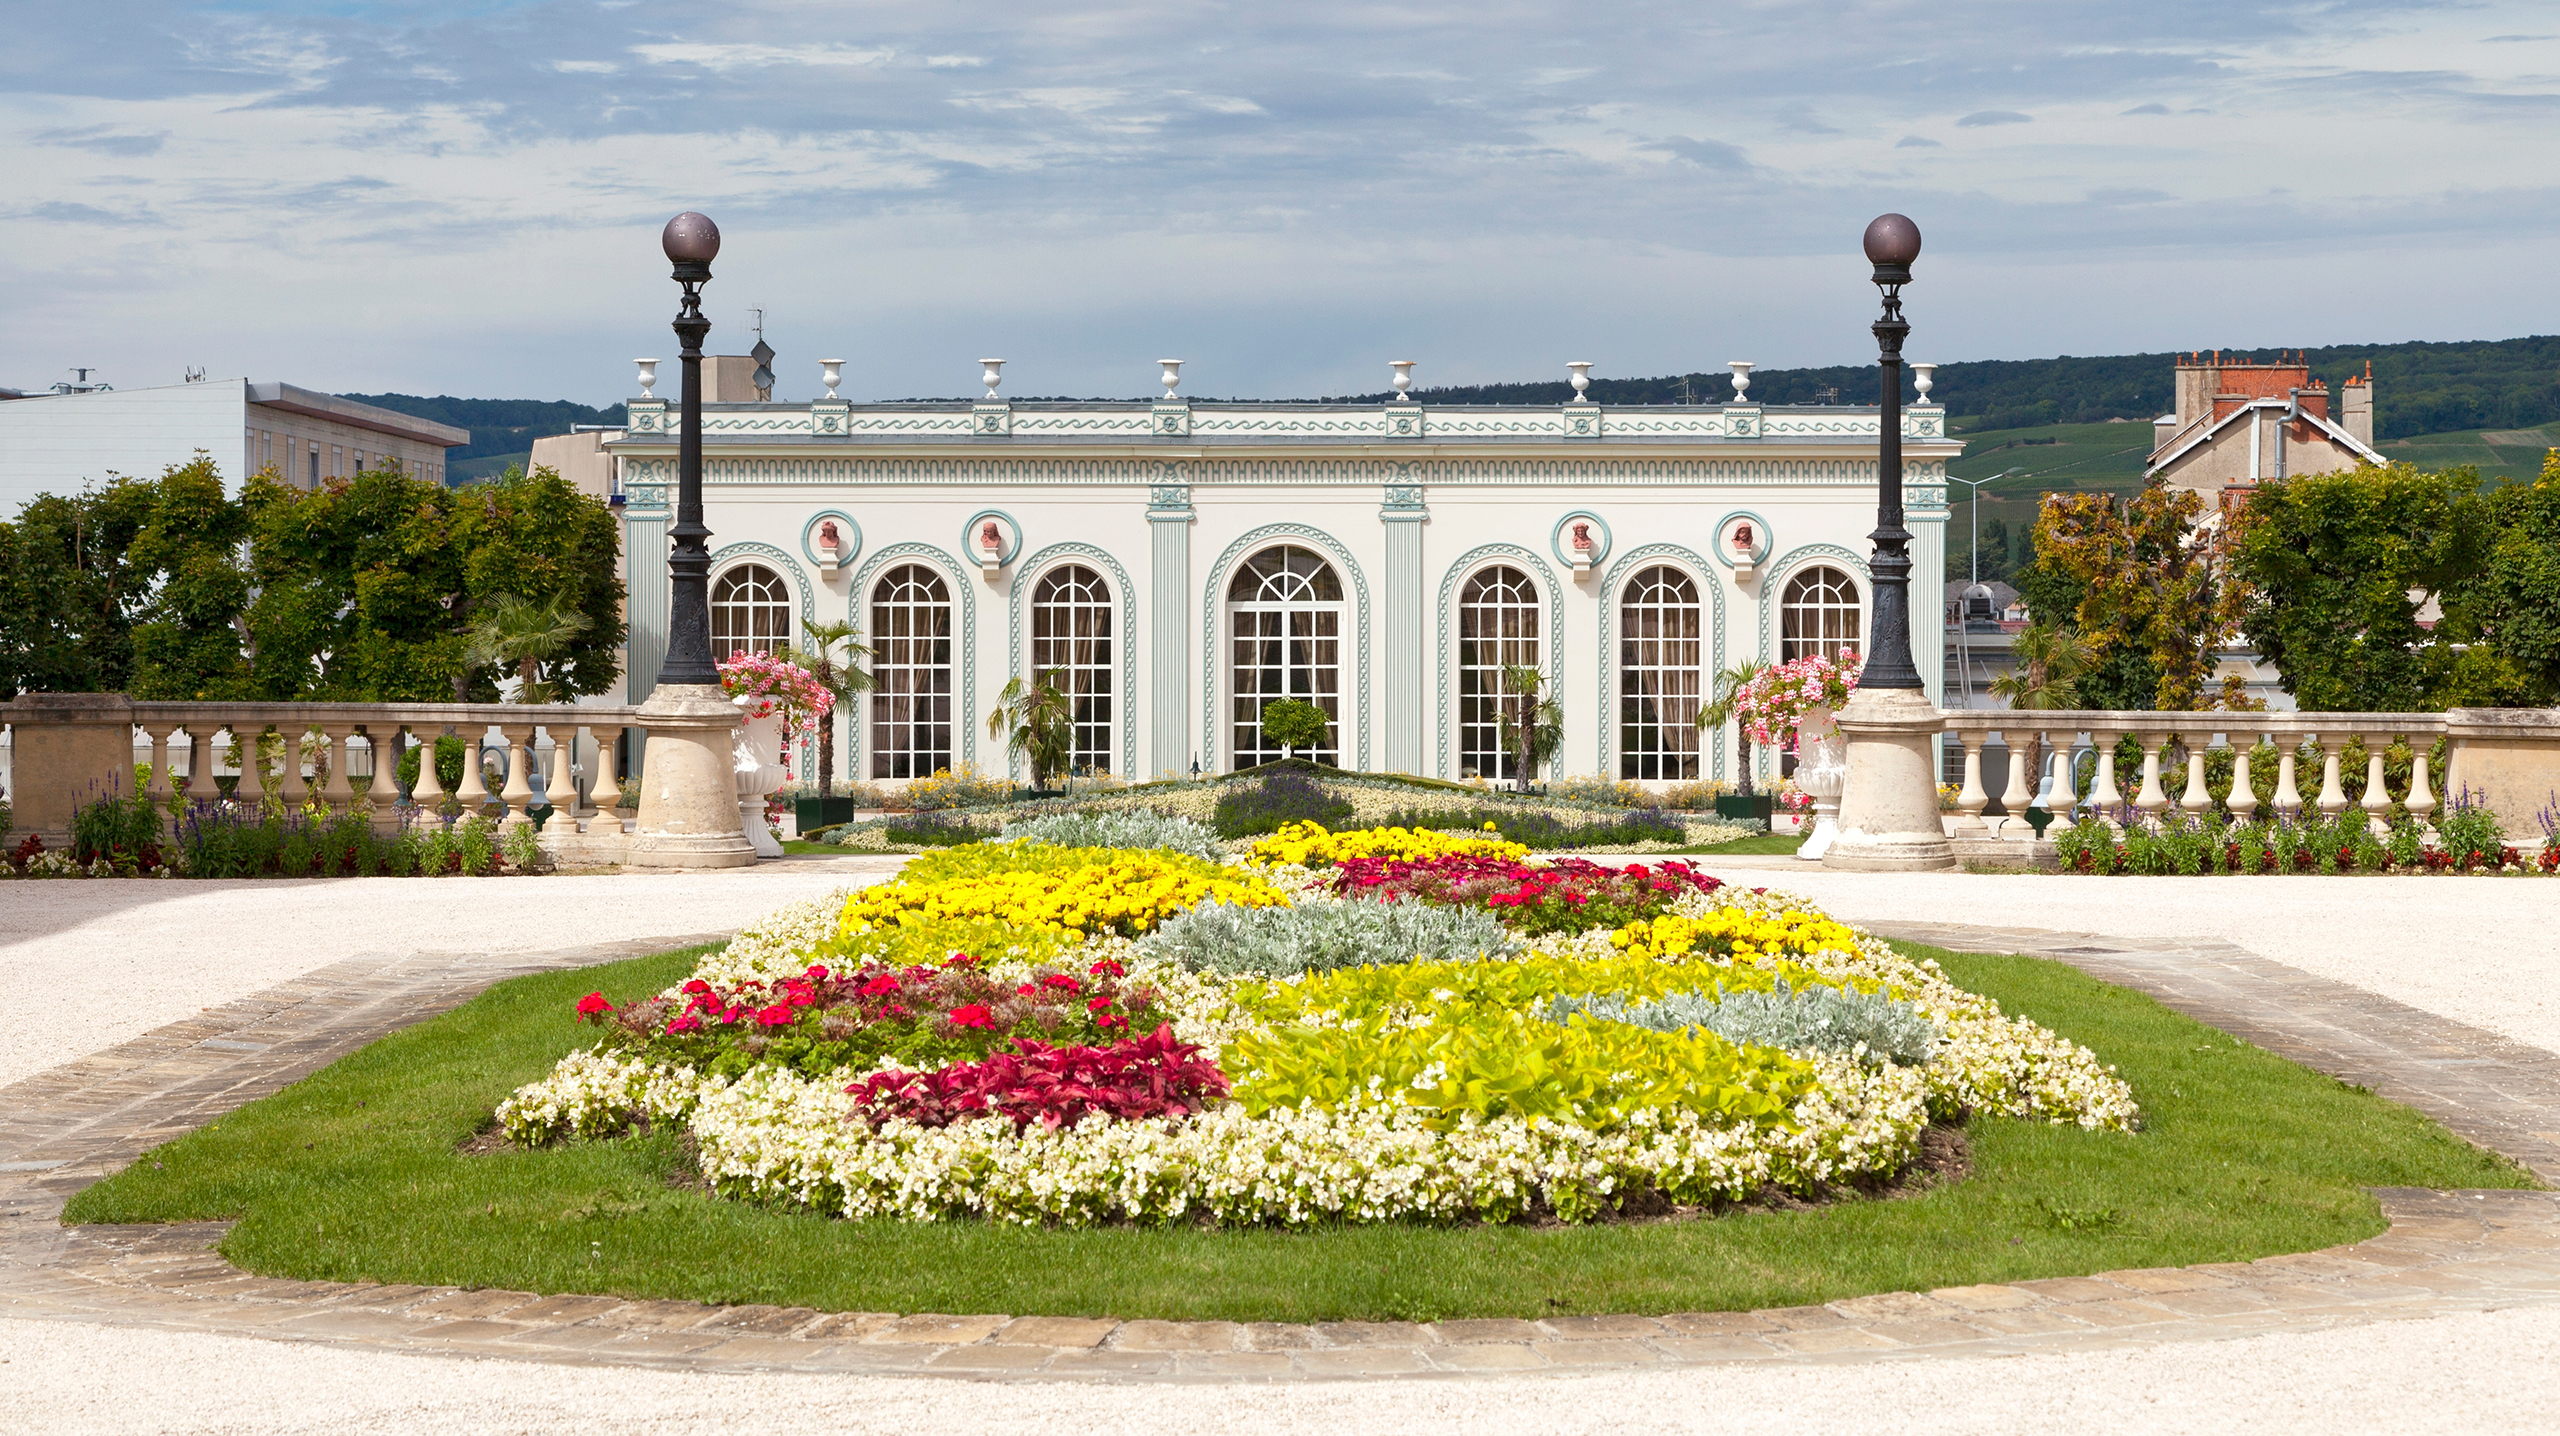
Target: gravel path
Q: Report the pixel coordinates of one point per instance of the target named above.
(141, 955)
(2480, 950)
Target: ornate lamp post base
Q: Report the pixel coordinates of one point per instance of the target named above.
(688, 788)
(1889, 811)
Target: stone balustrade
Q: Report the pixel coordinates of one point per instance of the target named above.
(2508, 759)
(71, 748)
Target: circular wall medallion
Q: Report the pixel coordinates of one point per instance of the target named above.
(1561, 540)
(973, 534)
(848, 538)
(1742, 538)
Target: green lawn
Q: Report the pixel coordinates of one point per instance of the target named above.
(354, 1173)
(1759, 843)
(2501, 455)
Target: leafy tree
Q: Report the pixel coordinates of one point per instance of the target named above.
(2340, 565)
(67, 591)
(1719, 710)
(2049, 661)
(2509, 608)
(360, 592)
(844, 678)
(2154, 579)
(1533, 730)
(1036, 718)
(1294, 723)
(514, 631)
(190, 642)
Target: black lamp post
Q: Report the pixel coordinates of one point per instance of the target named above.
(692, 241)
(1893, 241)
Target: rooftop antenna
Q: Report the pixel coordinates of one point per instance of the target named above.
(194, 375)
(763, 354)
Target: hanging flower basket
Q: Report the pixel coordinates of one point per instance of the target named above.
(765, 686)
(1773, 705)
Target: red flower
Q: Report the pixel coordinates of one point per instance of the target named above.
(778, 1015)
(1062, 982)
(959, 959)
(974, 1014)
(880, 986)
(1108, 968)
(686, 1023)
(1098, 1004)
(593, 1005)
(1026, 990)
(696, 986)
(817, 972)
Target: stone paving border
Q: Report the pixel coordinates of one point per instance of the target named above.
(2445, 1251)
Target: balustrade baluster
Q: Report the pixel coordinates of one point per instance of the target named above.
(427, 794)
(2061, 788)
(2333, 797)
(2377, 798)
(2197, 800)
(2422, 800)
(559, 788)
(290, 788)
(604, 793)
(473, 793)
(1971, 799)
(518, 793)
(2151, 799)
(251, 789)
(337, 792)
(2288, 794)
(380, 802)
(2103, 797)
(156, 783)
(2015, 797)
(2243, 802)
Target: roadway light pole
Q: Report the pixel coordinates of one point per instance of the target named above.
(1889, 806)
(689, 809)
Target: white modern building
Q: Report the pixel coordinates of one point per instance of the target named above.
(58, 443)
(1182, 564)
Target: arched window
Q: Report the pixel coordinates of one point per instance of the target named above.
(1660, 674)
(750, 610)
(911, 673)
(1497, 629)
(1284, 610)
(1071, 637)
(1819, 614)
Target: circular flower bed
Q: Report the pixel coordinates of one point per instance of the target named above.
(1365, 1026)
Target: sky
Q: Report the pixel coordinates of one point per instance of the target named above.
(465, 196)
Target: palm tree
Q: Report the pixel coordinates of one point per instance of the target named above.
(1721, 710)
(2049, 660)
(1534, 729)
(522, 634)
(843, 679)
(1041, 717)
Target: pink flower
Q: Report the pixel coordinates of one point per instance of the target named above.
(687, 1023)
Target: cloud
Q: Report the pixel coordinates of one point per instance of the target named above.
(2516, 39)
(757, 57)
(2128, 196)
(1705, 154)
(2154, 108)
(586, 67)
(104, 140)
(1802, 122)
(1917, 142)
(1980, 118)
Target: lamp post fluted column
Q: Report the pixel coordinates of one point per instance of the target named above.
(689, 814)
(1889, 805)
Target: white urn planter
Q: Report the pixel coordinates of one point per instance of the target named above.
(760, 772)
(1822, 770)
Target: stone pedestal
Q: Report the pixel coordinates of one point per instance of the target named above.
(1822, 770)
(688, 782)
(70, 749)
(2505, 759)
(1889, 811)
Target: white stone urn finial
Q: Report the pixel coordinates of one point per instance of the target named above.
(832, 370)
(1404, 378)
(1922, 377)
(1581, 379)
(1172, 377)
(1741, 377)
(648, 377)
(993, 376)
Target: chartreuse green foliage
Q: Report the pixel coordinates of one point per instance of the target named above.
(1471, 1037)
(355, 1173)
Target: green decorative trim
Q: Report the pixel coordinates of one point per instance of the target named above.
(1213, 607)
(1759, 554)
(1612, 600)
(1583, 467)
(1125, 716)
(1773, 582)
(731, 553)
(1445, 660)
(964, 654)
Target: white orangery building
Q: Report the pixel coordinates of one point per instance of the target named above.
(1181, 564)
